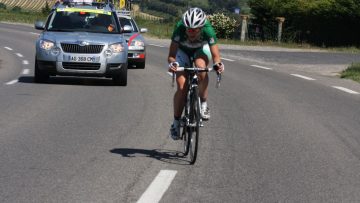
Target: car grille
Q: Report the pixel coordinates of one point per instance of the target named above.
(81, 66)
(88, 49)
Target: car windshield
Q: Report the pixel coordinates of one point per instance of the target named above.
(83, 21)
(130, 22)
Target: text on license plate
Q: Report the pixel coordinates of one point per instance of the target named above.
(83, 58)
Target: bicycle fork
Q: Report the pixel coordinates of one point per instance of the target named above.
(185, 121)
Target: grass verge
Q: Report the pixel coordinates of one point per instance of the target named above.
(21, 17)
(352, 72)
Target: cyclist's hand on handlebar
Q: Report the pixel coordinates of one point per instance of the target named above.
(219, 67)
(173, 66)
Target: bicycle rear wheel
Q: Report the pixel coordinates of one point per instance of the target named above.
(186, 140)
(194, 128)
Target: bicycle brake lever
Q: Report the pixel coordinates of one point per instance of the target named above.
(218, 80)
(173, 80)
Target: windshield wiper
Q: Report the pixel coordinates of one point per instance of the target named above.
(61, 30)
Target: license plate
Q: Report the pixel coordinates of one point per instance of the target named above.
(89, 59)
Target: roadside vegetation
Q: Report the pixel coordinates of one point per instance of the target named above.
(352, 72)
(163, 30)
(21, 16)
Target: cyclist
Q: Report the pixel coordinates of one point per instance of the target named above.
(193, 37)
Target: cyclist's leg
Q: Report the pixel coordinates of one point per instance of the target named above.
(202, 58)
(179, 98)
(180, 94)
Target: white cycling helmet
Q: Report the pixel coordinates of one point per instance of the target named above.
(194, 18)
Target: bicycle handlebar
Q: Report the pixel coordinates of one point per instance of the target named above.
(179, 69)
(182, 69)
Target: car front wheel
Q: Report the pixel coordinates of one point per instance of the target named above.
(121, 77)
(40, 76)
(140, 65)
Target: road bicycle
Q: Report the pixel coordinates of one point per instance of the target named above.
(191, 119)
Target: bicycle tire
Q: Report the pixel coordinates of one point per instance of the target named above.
(186, 142)
(194, 129)
(185, 133)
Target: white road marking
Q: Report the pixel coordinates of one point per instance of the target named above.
(25, 62)
(345, 90)
(19, 55)
(225, 59)
(12, 82)
(155, 45)
(8, 48)
(158, 187)
(262, 67)
(303, 77)
(34, 33)
(26, 71)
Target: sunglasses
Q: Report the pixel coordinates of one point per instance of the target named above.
(192, 30)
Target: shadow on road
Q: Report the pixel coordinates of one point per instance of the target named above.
(174, 157)
(65, 80)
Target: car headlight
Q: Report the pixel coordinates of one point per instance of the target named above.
(117, 48)
(137, 43)
(46, 45)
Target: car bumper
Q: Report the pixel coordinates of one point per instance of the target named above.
(136, 56)
(92, 65)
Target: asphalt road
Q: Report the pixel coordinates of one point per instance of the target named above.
(278, 132)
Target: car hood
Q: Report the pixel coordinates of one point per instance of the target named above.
(75, 37)
(133, 35)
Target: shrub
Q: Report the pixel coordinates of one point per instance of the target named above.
(16, 9)
(46, 9)
(224, 26)
(2, 6)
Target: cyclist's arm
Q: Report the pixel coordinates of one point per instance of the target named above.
(214, 49)
(172, 51)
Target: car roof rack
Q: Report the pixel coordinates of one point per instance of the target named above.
(72, 3)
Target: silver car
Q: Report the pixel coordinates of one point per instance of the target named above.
(81, 40)
(136, 42)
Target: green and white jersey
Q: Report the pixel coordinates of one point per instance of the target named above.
(207, 36)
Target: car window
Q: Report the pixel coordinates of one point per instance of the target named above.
(84, 21)
(130, 22)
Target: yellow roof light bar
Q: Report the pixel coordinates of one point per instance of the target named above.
(83, 10)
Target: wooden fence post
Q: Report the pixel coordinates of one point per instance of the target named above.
(280, 20)
(243, 26)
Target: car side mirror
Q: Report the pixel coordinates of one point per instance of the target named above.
(143, 30)
(40, 25)
(127, 29)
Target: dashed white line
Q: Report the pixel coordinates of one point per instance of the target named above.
(19, 55)
(34, 33)
(12, 82)
(262, 67)
(158, 187)
(8, 48)
(26, 71)
(25, 62)
(303, 77)
(155, 45)
(345, 90)
(225, 59)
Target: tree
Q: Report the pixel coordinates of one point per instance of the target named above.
(323, 22)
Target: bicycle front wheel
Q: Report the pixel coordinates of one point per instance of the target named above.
(194, 127)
